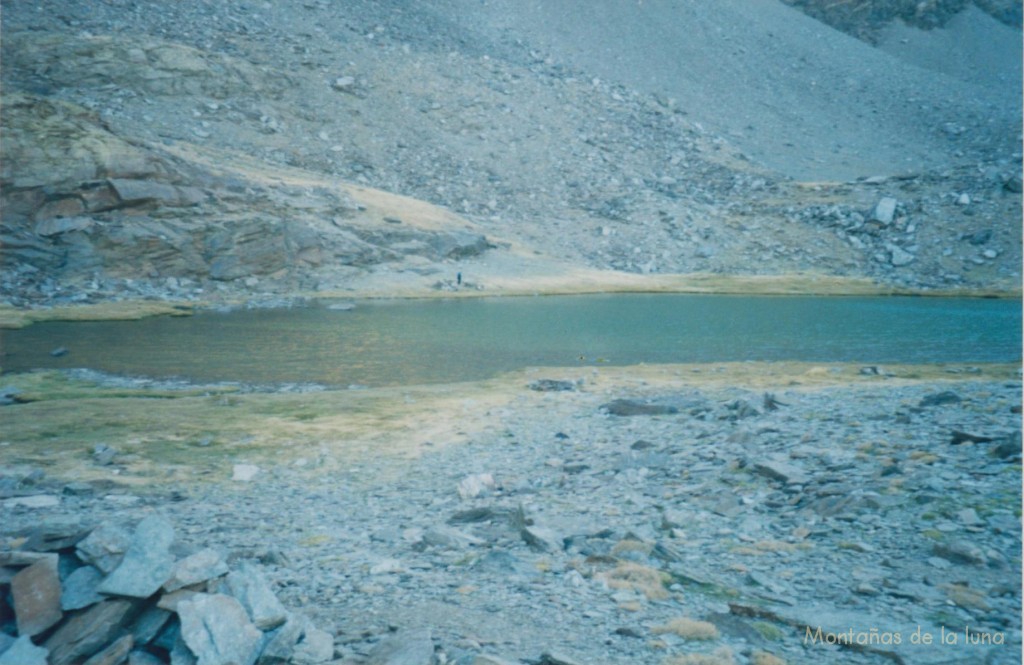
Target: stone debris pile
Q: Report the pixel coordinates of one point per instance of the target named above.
(110, 595)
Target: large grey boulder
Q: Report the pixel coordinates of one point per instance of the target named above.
(36, 594)
(216, 628)
(80, 589)
(104, 547)
(250, 587)
(203, 565)
(86, 633)
(148, 562)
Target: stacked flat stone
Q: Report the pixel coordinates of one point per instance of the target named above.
(108, 596)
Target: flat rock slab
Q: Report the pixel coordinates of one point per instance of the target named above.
(80, 589)
(147, 564)
(24, 652)
(250, 587)
(104, 547)
(86, 633)
(542, 539)
(281, 642)
(55, 537)
(149, 624)
(553, 385)
(217, 630)
(199, 567)
(782, 471)
(36, 593)
(629, 407)
(317, 646)
(35, 501)
(115, 654)
(407, 648)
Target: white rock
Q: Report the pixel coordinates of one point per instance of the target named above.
(37, 501)
(885, 210)
(899, 256)
(473, 486)
(343, 83)
(244, 473)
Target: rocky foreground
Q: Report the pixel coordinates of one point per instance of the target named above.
(677, 520)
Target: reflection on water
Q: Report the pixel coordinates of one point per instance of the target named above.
(391, 343)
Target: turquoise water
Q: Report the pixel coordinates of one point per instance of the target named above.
(404, 342)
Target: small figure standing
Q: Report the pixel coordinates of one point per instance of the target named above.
(458, 279)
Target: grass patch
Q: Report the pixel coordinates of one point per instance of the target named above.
(720, 656)
(122, 310)
(765, 658)
(196, 430)
(688, 629)
(636, 577)
(769, 631)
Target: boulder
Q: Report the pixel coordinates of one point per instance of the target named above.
(217, 630)
(199, 567)
(940, 399)
(81, 589)
(476, 485)
(316, 646)
(54, 536)
(782, 471)
(24, 652)
(36, 594)
(280, 643)
(147, 564)
(115, 654)
(552, 385)
(59, 225)
(542, 539)
(87, 633)
(141, 191)
(104, 547)
(885, 210)
(250, 587)
(148, 625)
(413, 647)
(629, 407)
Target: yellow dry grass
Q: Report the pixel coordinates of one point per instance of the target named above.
(720, 656)
(689, 629)
(637, 577)
(765, 658)
(127, 310)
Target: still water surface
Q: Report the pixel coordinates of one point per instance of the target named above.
(396, 342)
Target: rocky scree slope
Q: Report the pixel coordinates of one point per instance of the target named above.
(589, 521)
(511, 131)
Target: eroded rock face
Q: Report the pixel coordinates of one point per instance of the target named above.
(81, 201)
(150, 65)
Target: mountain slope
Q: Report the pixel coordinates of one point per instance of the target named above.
(552, 132)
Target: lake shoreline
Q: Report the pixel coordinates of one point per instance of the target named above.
(397, 287)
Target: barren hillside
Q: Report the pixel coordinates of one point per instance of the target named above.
(215, 148)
